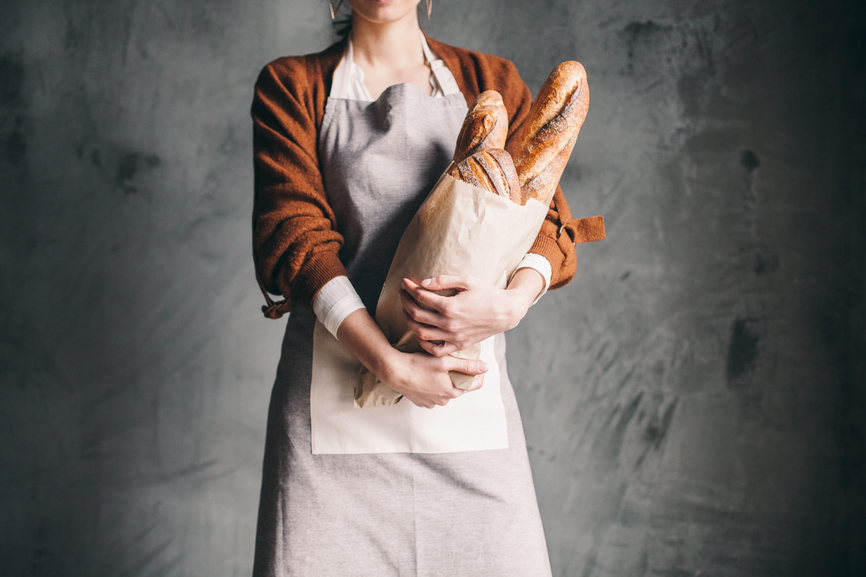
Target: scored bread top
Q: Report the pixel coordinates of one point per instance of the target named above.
(544, 144)
(493, 170)
(555, 95)
(485, 126)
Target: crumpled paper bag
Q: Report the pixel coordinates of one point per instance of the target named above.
(460, 229)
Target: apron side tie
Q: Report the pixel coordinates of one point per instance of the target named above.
(273, 310)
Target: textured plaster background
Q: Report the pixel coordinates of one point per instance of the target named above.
(693, 401)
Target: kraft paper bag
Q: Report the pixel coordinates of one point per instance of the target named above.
(460, 229)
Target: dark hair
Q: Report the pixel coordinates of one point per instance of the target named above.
(342, 25)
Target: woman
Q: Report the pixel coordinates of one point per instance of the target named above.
(347, 144)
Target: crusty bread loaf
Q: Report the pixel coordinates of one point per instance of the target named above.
(485, 126)
(493, 170)
(544, 143)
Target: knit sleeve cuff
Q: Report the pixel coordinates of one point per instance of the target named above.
(319, 269)
(549, 249)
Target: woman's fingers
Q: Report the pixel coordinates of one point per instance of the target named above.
(444, 281)
(420, 403)
(430, 404)
(425, 380)
(466, 366)
(437, 350)
(425, 297)
(445, 391)
(416, 312)
(425, 332)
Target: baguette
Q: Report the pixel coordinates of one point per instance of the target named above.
(485, 126)
(544, 143)
(493, 170)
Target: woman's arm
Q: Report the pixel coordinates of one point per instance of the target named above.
(421, 378)
(295, 242)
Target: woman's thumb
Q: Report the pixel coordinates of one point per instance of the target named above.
(467, 366)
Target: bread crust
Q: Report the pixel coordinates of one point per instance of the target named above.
(493, 170)
(485, 126)
(545, 141)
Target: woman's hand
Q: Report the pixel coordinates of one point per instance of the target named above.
(464, 310)
(421, 378)
(424, 379)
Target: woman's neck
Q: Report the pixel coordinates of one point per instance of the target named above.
(392, 45)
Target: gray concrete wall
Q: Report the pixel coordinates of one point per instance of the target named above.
(693, 401)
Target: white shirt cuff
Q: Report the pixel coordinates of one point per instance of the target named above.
(540, 264)
(337, 300)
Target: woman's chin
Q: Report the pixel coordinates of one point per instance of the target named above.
(383, 11)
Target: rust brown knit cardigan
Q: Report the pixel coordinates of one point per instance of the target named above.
(295, 239)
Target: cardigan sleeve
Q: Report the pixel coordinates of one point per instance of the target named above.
(295, 242)
(552, 242)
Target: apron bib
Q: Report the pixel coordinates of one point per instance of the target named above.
(379, 161)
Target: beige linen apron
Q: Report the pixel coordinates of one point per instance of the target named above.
(347, 512)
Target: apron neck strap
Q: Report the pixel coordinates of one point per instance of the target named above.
(429, 57)
(444, 77)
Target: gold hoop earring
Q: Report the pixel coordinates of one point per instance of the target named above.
(429, 8)
(333, 10)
